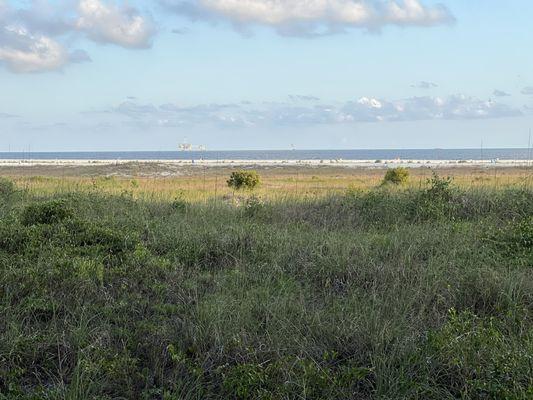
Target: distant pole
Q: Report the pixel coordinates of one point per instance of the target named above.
(529, 149)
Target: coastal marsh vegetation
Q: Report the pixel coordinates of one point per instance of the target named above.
(354, 291)
(164, 182)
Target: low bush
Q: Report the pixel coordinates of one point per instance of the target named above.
(396, 176)
(436, 201)
(243, 180)
(111, 241)
(47, 212)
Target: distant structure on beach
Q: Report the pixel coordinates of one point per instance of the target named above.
(186, 146)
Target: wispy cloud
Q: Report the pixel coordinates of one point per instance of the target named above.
(500, 93)
(180, 31)
(314, 17)
(528, 91)
(424, 85)
(363, 110)
(306, 98)
(7, 116)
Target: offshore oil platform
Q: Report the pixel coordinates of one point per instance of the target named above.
(186, 146)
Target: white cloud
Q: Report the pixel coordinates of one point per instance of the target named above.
(412, 12)
(123, 26)
(528, 91)
(457, 107)
(34, 38)
(311, 17)
(22, 51)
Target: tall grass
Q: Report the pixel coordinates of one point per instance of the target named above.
(423, 293)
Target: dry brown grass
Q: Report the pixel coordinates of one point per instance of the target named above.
(199, 183)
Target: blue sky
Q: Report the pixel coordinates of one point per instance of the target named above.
(253, 74)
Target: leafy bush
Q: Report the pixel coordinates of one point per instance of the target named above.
(396, 176)
(48, 212)
(243, 180)
(436, 201)
(90, 234)
(440, 189)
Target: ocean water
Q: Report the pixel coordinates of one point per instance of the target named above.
(405, 154)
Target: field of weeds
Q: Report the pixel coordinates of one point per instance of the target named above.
(364, 292)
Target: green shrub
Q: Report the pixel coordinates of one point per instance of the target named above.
(48, 212)
(439, 188)
(396, 176)
(90, 234)
(243, 180)
(436, 201)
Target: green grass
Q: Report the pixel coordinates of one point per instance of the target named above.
(383, 294)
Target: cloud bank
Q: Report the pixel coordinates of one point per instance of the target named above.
(312, 17)
(312, 112)
(37, 36)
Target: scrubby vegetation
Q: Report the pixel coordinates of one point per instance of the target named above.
(396, 176)
(243, 180)
(376, 294)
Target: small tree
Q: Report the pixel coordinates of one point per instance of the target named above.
(243, 180)
(396, 176)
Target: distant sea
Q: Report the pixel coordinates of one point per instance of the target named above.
(405, 154)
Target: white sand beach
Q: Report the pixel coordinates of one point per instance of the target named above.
(376, 164)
